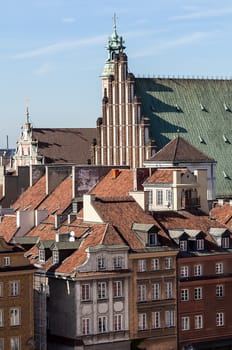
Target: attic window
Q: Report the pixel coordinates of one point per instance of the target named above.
(225, 242)
(55, 256)
(183, 245)
(41, 256)
(225, 138)
(200, 244)
(201, 139)
(152, 236)
(226, 107)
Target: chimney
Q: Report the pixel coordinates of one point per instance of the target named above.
(115, 173)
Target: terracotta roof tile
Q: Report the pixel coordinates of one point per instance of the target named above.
(163, 175)
(59, 199)
(8, 227)
(223, 214)
(33, 196)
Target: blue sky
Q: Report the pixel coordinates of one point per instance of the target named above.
(53, 51)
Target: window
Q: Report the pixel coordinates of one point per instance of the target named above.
(185, 323)
(117, 262)
(150, 197)
(102, 290)
(1, 318)
(184, 294)
(183, 245)
(219, 290)
(102, 324)
(168, 262)
(1, 344)
(117, 289)
(117, 322)
(219, 319)
(55, 256)
(42, 255)
(184, 271)
(15, 343)
(85, 292)
(198, 293)
(155, 264)
(168, 197)
(142, 321)
(101, 263)
(159, 197)
(1, 291)
(197, 270)
(200, 244)
(155, 291)
(219, 267)
(169, 290)
(142, 265)
(152, 239)
(85, 325)
(225, 242)
(198, 321)
(169, 318)
(142, 292)
(155, 319)
(14, 288)
(6, 261)
(14, 316)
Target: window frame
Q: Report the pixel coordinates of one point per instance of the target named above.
(155, 320)
(142, 293)
(15, 346)
(85, 292)
(117, 289)
(142, 321)
(14, 288)
(169, 318)
(1, 318)
(102, 324)
(184, 271)
(101, 263)
(159, 197)
(102, 290)
(155, 264)
(219, 290)
(198, 293)
(118, 322)
(198, 321)
(156, 291)
(198, 270)
(184, 294)
(86, 326)
(219, 268)
(169, 290)
(142, 265)
(185, 323)
(168, 262)
(220, 319)
(15, 316)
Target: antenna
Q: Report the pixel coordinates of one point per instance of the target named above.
(27, 109)
(115, 21)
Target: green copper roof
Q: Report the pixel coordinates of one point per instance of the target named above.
(200, 111)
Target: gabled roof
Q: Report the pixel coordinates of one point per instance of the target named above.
(208, 128)
(163, 175)
(223, 214)
(64, 145)
(179, 150)
(8, 227)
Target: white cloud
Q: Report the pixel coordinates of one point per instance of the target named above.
(68, 20)
(60, 46)
(204, 14)
(181, 41)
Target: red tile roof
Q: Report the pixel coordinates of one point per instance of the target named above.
(8, 227)
(163, 175)
(32, 197)
(223, 214)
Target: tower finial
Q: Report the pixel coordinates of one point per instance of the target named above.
(115, 21)
(27, 109)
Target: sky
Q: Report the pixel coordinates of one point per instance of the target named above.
(52, 53)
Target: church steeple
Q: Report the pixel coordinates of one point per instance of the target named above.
(115, 46)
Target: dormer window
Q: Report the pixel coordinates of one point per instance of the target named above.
(183, 245)
(200, 244)
(42, 256)
(117, 262)
(55, 256)
(152, 239)
(159, 197)
(225, 242)
(101, 263)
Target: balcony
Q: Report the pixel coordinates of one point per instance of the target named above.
(188, 203)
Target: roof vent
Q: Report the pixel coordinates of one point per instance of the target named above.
(178, 108)
(201, 139)
(225, 138)
(202, 107)
(220, 202)
(225, 175)
(227, 108)
(115, 173)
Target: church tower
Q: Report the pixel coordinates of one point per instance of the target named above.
(122, 132)
(27, 148)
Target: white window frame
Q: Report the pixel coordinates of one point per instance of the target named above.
(155, 319)
(184, 271)
(142, 292)
(184, 294)
(1, 318)
(168, 196)
(198, 270)
(219, 267)
(200, 244)
(6, 261)
(117, 289)
(101, 263)
(15, 343)
(198, 293)
(102, 324)
(169, 290)
(156, 291)
(198, 321)
(168, 263)
(85, 292)
(142, 321)
(185, 323)
(150, 197)
(117, 262)
(86, 326)
(219, 290)
(220, 319)
(152, 239)
(55, 256)
(225, 242)
(155, 264)
(15, 316)
(42, 256)
(118, 319)
(142, 266)
(183, 245)
(102, 290)
(159, 197)
(169, 318)
(14, 288)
